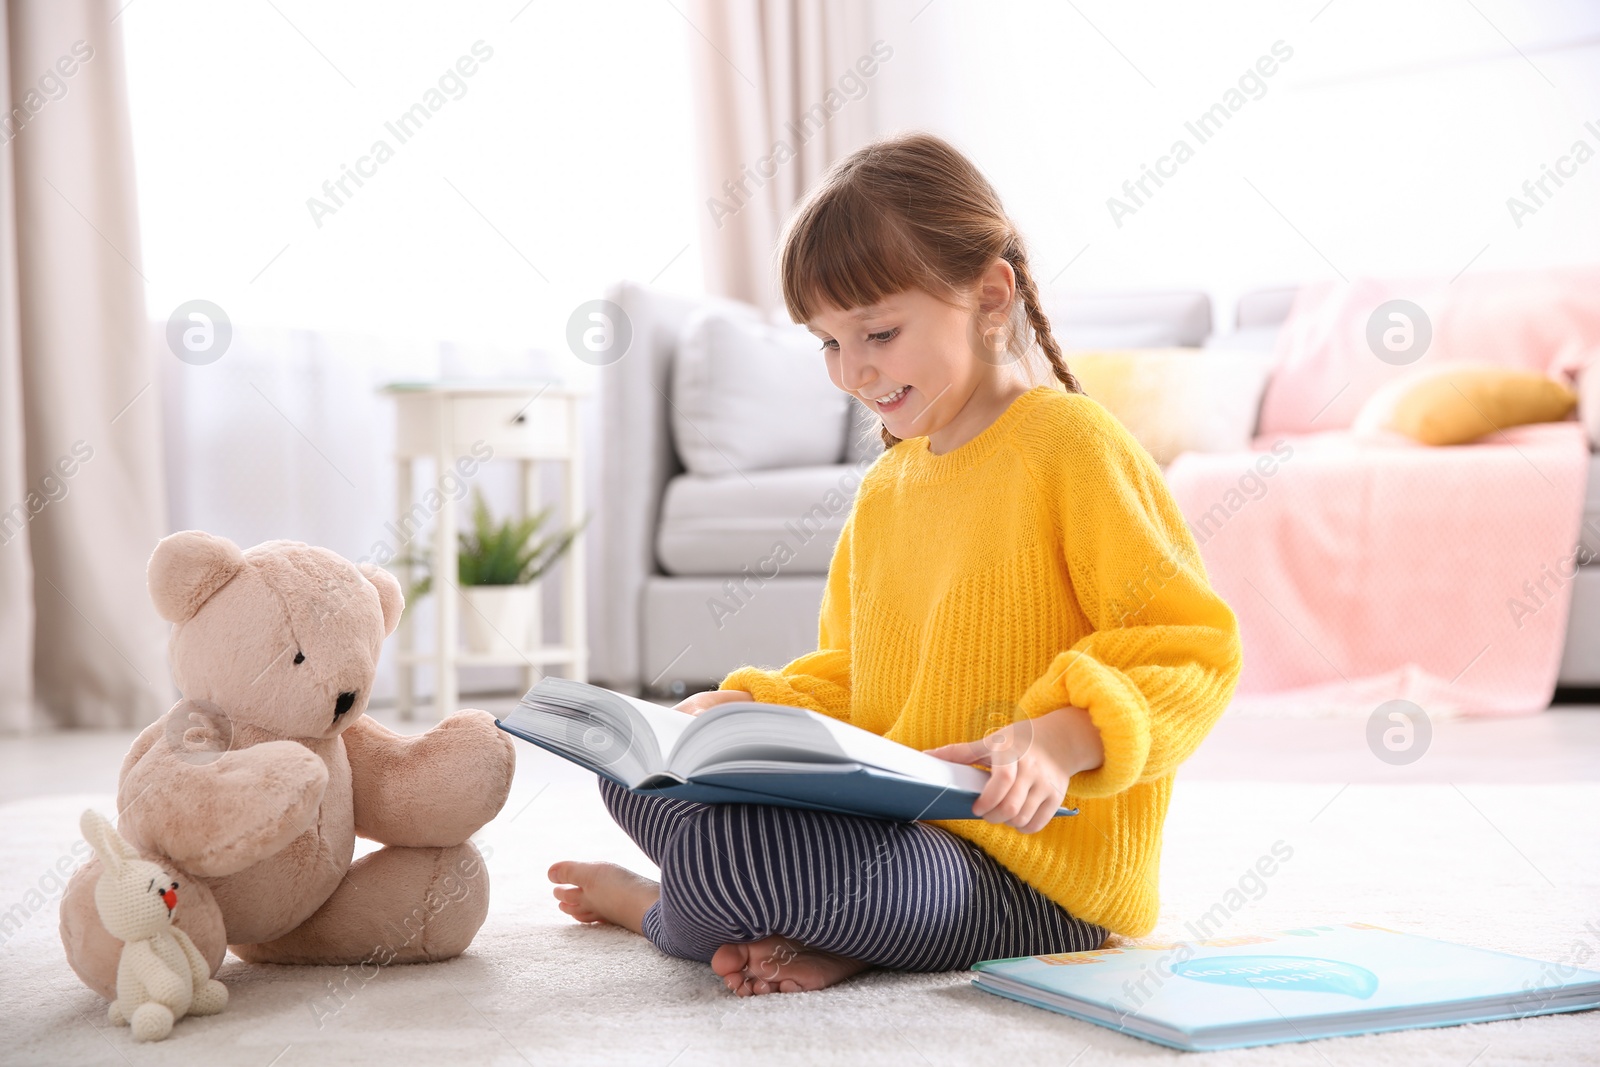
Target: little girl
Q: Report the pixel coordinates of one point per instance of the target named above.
(1013, 587)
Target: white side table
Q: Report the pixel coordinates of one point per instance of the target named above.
(528, 421)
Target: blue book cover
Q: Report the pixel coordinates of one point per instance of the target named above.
(1294, 985)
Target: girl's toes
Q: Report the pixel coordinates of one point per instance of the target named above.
(729, 960)
(789, 985)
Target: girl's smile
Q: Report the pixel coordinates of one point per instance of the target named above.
(892, 401)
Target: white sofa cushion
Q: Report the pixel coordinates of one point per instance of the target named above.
(750, 396)
(771, 522)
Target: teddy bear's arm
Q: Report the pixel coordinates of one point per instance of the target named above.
(216, 813)
(428, 790)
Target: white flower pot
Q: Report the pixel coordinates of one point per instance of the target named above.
(501, 619)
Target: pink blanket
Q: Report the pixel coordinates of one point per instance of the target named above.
(1367, 573)
(1363, 572)
(1326, 365)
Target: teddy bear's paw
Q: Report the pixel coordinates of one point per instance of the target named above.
(115, 1013)
(151, 1021)
(210, 998)
(398, 905)
(222, 815)
(429, 790)
(472, 735)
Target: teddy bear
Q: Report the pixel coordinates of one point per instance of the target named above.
(161, 976)
(252, 789)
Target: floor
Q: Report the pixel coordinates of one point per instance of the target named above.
(1488, 838)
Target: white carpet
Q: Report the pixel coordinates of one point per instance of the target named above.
(1508, 867)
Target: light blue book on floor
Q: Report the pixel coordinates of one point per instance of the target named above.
(1295, 985)
(742, 752)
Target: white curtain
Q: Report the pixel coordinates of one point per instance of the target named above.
(783, 89)
(82, 501)
(288, 435)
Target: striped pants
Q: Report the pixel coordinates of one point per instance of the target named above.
(906, 896)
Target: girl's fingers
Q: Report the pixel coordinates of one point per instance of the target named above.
(961, 752)
(1002, 779)
(1015, 808)
(1054, 796)
(699, 702)
(1044, 818)
(1017, 805)
(1043, 807)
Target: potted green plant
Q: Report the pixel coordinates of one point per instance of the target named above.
(498, 565)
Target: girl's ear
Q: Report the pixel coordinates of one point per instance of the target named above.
(997, 288)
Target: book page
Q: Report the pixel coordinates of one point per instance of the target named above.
(668, 725)
(779, 733)
(603, 730)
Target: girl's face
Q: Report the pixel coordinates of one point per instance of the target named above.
(908, 358)
(915, 361)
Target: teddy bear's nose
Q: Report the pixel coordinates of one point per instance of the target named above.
(345, 703)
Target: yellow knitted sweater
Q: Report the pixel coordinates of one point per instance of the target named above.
(1039, 565)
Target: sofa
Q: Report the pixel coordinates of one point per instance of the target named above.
(1258, 318)
(705, 556)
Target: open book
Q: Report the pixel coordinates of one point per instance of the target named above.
(744, 753)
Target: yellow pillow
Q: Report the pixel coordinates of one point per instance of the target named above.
(1176, 400)
(1454, 404)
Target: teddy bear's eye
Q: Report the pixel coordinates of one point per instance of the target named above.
(299, 658)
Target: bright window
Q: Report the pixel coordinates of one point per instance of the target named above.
(512, 160)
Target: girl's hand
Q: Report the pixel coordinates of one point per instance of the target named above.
(1031, 763)
(699, 702)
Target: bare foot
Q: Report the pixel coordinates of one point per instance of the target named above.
(603, 892)
(778, 965)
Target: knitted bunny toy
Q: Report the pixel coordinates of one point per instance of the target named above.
(161, 976)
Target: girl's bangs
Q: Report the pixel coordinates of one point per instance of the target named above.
(846, 256)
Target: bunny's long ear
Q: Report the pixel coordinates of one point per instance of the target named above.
(102, 837)
(112, 848)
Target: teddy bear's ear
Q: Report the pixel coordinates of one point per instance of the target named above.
(389, 595)
(186, 568)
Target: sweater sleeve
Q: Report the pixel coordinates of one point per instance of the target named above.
(1161, 663)
(818, 680)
